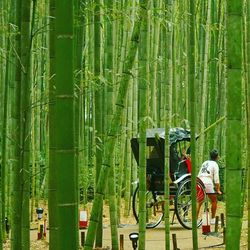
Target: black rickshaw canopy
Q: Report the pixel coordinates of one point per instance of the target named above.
(156, 137)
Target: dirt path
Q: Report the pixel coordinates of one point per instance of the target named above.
(155, 238)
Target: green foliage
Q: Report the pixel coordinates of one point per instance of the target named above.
(101, 67)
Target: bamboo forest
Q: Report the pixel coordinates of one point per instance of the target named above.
(124, 124)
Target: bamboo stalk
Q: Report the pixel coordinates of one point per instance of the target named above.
(192, 104)
(4, 150)
(212, 126)
(27, 21)
(15, 114)
(111, 140)
(62, 136)
(168, 112)
(143, 112)
(248, 108)
(234, 123)
(203, 113)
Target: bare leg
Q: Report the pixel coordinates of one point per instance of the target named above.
(213, 199)
(198, 208)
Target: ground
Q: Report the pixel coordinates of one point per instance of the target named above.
(155, 238)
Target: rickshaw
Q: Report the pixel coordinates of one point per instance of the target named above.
(179, 178)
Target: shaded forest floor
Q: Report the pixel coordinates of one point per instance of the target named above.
(155, 238)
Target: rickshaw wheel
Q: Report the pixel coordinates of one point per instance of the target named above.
(183, 203)
(154, 208)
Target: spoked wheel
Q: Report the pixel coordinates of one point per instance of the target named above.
(183, 203)
(154, 208)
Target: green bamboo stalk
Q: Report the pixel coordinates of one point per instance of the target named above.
(179, 100)
(127, 194)
(88, 167)
(185, 52)
(135, 121)
(2, 33)
(175, 85)
(192, 104)
(245, 109)
(213, 76)
(121, 164)
(25, 57)
(33, 164)
(126, 32)
(4, 150)
(126, 36)
(77, 59)
(121, 167)
(52, 198)
(113, 206)
(200, 51)
(15, 114)
(109, 61)
(2, 45)
(114, 199)
(143, 104)
(33, 104)
(44, 105)
(203, 104)
(111, 139)
(35, 123)
(90, 67)
(248, 105)
(155, 50)
(176, 92)
(35, 127)
(78, 109)
(112, 192)
(168, 113)
(62, 149)
(161, 77)
(234, 120)
(222, 75)
(86, 170)
(98, 24)
(112, 195)
(84, 174)
(38, 141)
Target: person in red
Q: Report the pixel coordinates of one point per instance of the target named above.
(209, 175)
(186, 156)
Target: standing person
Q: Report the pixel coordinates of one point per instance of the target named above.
(209, 175)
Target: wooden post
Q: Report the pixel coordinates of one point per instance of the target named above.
(174, 242)
(216, 224)
(222, 220)
(41, 232)
(82, 239)
(224, 235)
(121, 242)
(7, 227)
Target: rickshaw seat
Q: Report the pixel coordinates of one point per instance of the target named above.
(182, 168)
(155, 165)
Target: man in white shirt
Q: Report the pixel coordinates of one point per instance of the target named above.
(209, 175)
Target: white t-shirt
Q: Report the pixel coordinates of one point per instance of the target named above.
(209, 174)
